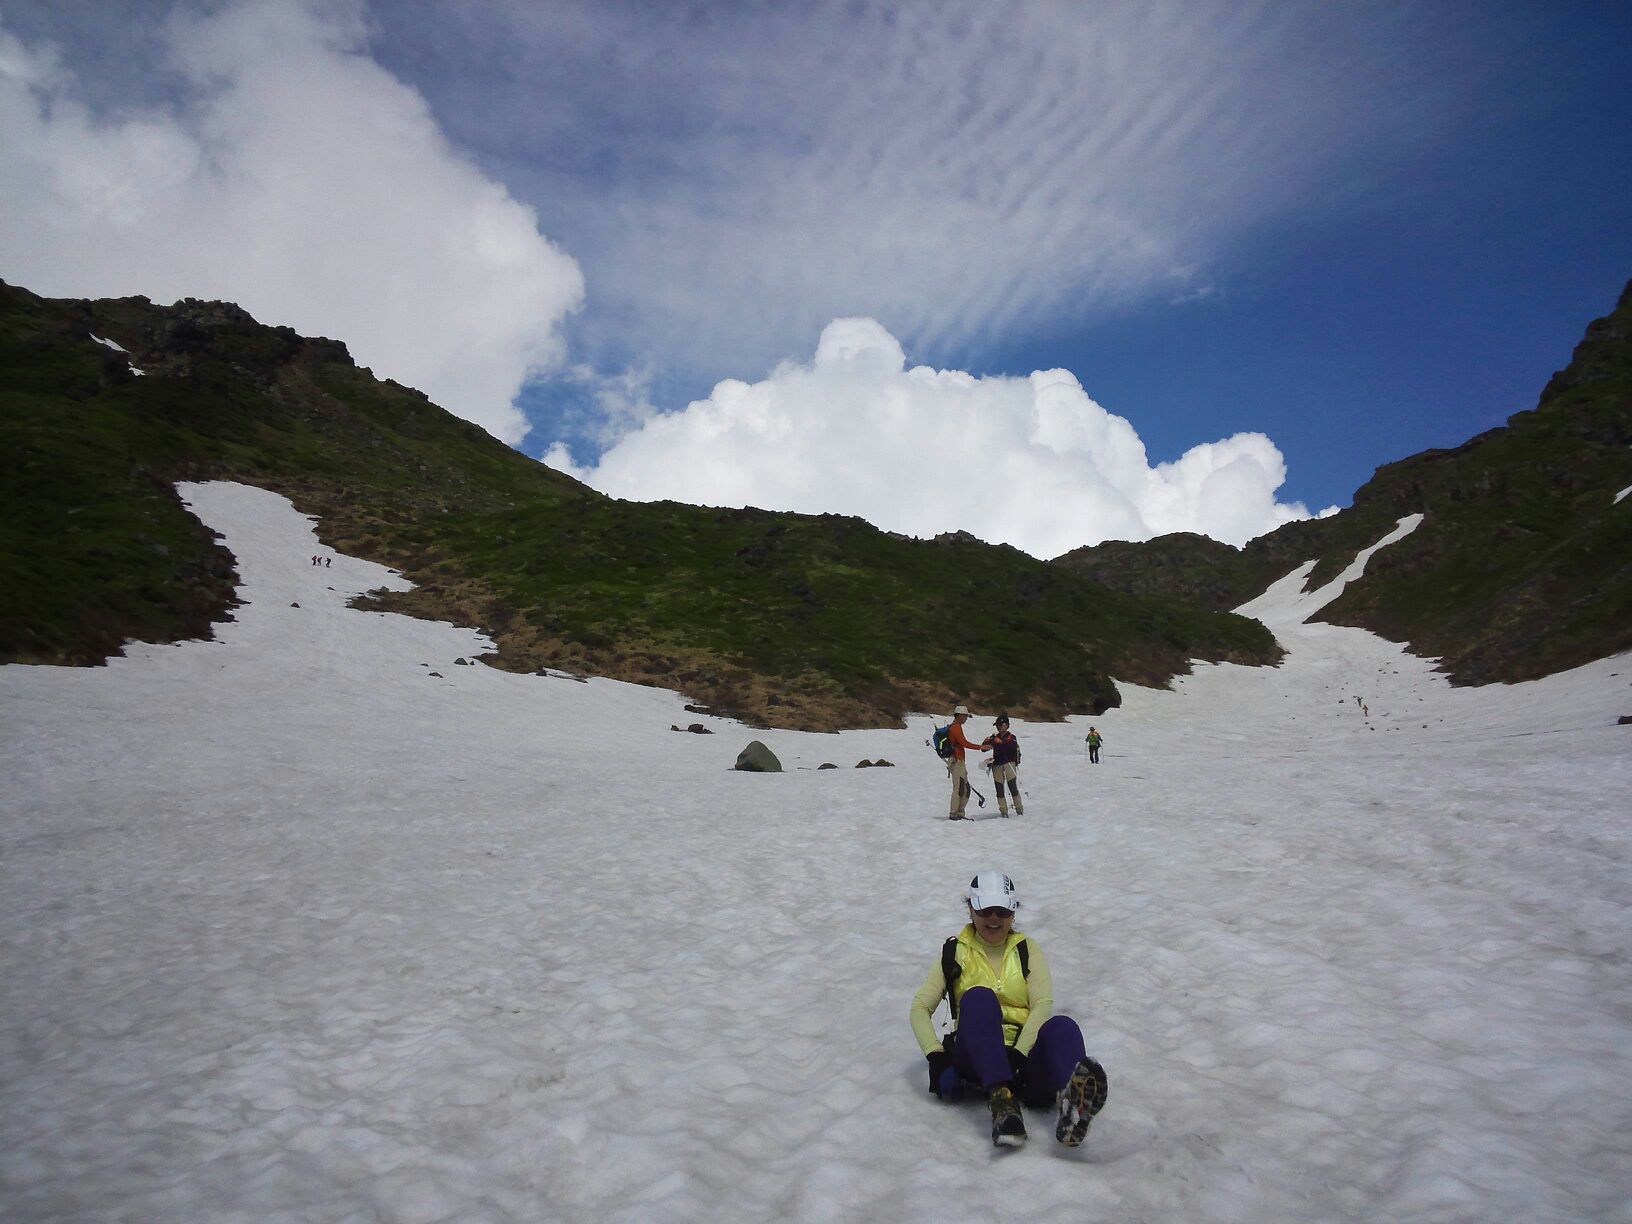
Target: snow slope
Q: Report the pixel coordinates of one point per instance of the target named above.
(295, 930)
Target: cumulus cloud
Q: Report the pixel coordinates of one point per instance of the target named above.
(1033, 462)
(295, 176)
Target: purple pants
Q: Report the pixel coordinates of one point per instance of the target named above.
(981, 1056)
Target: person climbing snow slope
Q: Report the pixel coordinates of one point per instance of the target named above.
(956, 767)
(1005, 750)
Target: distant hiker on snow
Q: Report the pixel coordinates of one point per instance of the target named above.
(956, 768)
(1006, 1041)
(1094, 739)
(1005, 750)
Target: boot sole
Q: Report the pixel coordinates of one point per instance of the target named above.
(1009, 1138)
(1082, 1097)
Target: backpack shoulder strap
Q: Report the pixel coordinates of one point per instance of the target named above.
(950, 970)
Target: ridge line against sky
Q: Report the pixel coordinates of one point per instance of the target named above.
(1281, 243)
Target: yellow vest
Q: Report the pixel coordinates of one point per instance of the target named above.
(1013, 995)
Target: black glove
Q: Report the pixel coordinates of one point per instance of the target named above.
(943, 1077)
(1017, 1064)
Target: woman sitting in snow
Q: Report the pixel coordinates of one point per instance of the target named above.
(1007, 1041)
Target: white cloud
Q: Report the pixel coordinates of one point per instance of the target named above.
(1032, 462)
(300, 180)
(965, 172)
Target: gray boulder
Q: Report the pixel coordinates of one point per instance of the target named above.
(756, 758)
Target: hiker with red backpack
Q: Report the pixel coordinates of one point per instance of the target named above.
(1006, 1042)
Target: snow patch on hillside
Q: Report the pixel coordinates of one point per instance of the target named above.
(118, 348)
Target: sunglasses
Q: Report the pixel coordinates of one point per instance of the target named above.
(996, 911)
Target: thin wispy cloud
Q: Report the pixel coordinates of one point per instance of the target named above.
(296, 177)
(964, 172)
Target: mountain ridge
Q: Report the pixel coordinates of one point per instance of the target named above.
(810, 621)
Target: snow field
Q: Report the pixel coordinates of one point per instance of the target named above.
(295, 931)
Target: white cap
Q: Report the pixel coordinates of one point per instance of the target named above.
(991, 888)
(964, 710)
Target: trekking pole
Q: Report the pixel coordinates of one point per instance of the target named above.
(968, 787)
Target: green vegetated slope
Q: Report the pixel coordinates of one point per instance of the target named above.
(792, 620)
(1523, 563)
(1182, 565)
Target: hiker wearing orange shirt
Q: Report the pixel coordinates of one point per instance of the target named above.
(956, 768)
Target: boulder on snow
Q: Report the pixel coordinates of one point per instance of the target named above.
(864, 763)
(756, 758)
(827, 765)
(881, 763)
(1625, 720)
(461, 663)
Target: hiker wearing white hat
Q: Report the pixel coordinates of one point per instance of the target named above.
(1005, 1041)
(956, 768)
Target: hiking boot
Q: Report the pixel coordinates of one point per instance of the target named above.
(1082, 1097)
(1003, 812)
(1008, 1127)
(1018, 810)
(957, 816)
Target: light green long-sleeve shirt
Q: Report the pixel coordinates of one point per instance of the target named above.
(1039, 997)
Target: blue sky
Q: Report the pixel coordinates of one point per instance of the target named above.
(1322, 237)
